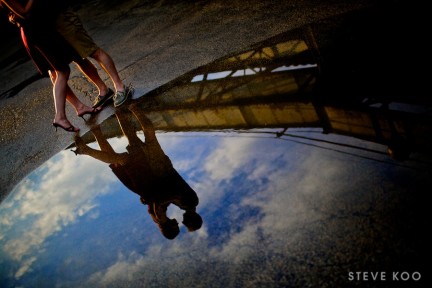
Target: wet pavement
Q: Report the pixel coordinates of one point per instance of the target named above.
(295, 140)
(152, 44)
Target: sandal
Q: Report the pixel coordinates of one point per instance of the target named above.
(71, 128)
(94, 111)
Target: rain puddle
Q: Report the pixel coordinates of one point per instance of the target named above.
(238, 174)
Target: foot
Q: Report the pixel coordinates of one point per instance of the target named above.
(103, 100)
(88, 110)
(121, 96)
(65, 125)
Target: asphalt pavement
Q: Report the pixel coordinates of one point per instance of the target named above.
(152, 43)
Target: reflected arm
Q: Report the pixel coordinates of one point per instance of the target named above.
(107, 157)
(104, 156)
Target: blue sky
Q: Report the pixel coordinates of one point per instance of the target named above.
(71, 222)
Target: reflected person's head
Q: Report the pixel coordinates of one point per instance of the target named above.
(192, 220)
(170, 229)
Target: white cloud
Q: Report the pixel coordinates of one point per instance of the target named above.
(231, 154)
(64, 194)
(25, 266)
(185, 152)
(124, 269)
(294, 200)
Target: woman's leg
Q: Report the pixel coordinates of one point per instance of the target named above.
(59, 93)
(80, 107)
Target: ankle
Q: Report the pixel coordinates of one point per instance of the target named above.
(120, 87)
(80, 108)
(104, 91)
(61, 120)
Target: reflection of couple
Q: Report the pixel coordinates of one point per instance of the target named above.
(147, 171)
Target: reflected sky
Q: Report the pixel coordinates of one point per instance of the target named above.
(265, 202)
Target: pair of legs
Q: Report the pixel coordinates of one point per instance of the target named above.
(107, 63)
(62, 93)
(122, 93)
(70, 26)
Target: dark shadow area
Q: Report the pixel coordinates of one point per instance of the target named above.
(16, 89)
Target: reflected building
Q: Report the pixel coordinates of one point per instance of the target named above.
(277, 85)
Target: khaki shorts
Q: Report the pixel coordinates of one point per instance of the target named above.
(69, 25)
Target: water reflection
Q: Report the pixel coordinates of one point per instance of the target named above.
(297, 187)
(147, 171)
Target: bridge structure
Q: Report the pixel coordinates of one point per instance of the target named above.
(276, 85)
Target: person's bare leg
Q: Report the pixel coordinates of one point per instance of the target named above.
(59, 93)
(90, 71)
(108, 65)
(79, 106)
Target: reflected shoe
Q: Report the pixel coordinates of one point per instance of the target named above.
(103, 100)
(80, 146)
(121, 97)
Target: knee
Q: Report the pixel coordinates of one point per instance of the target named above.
(59, 75)
(52, 75)
(98, 54)
(62, 75)
(85, 65)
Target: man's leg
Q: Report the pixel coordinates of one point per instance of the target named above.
(105, 93)
(125, 121)
(88, 69)
(107, 63)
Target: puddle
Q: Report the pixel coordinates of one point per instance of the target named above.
(293, 190)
